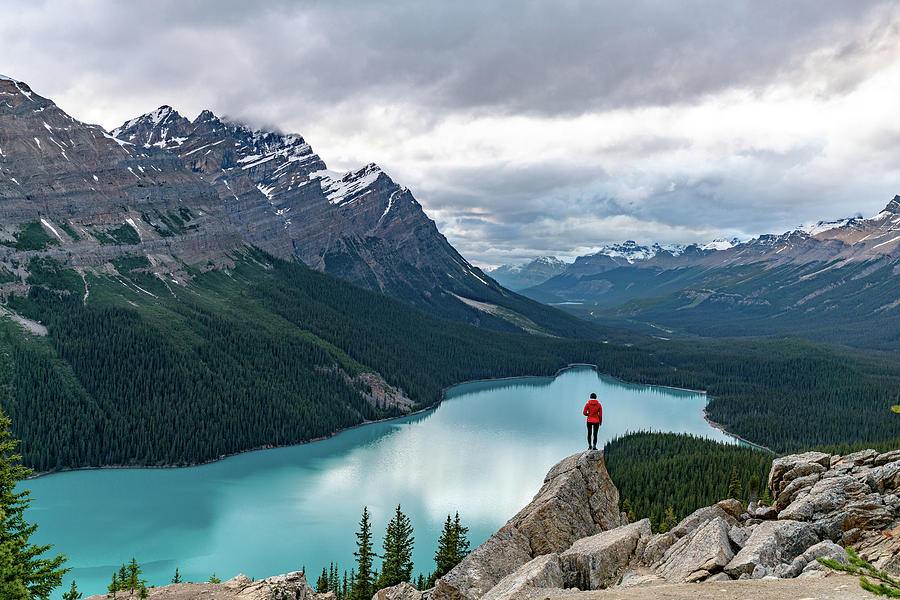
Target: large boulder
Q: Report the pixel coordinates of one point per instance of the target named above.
(542, 572)
(598, 561)
(770, 544)
(577, 500)
(658, 545)
(290, 586)
(502, 554)
(841, 504)
(787, 468)
(401, 591)
(703, 552)
(807, 561)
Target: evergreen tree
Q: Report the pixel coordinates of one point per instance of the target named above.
(123, 577)
(462, 541)
(669, 520)
(177, 577)
(114, 586)
(420, 582)
(452, 547)
(134, 573)
(734, 486)
(72, 594)
(12, 583)
(766, 497)
(322, 582)
(333, 580)
(143, 593)
(214, 579)
(363, 584)
(21, 563)
(397, 562)
(345, 586)
(628, 510)
(753, 488)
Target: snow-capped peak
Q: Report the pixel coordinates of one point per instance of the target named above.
(721, 244)
(5, 78)
(633, 252)
(339, 187)
(820, 226)
(160, 114)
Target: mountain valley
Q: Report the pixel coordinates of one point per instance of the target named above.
(834, 282)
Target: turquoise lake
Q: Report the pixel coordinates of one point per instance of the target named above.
(483, 452)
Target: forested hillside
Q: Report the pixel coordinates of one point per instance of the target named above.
(658, 472)
(266, 353)
(137, 370)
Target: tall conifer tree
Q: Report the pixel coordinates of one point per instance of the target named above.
(453, 546)
(397, 565)
(21, 562)
(363, 584)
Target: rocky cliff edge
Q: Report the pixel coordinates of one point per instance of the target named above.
(572, 536)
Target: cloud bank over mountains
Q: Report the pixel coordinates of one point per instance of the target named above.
(523, 128)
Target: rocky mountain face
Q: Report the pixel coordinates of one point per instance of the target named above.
(187, 195)
(572, 536)
(832, 281)
(360, 225)
(73, 191)
(534, 272)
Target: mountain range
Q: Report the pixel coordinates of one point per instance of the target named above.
(190, 192)
(832, 281)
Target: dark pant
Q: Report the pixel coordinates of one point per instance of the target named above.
(595, 427)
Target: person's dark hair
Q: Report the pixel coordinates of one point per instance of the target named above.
(593, 395)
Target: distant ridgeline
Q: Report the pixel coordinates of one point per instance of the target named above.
(834, 282)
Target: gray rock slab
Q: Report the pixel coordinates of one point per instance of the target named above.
(771, 544)
(401, 591)
(596, 562)
(698, 554)
(541, 572)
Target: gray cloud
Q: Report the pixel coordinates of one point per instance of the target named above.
(399, 82)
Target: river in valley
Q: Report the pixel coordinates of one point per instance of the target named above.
(483, 452)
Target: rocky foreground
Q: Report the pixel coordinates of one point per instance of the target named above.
(572, 539)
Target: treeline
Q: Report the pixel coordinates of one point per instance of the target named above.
(660, 473)
(149, 372)
(789, 394)
(396, 559)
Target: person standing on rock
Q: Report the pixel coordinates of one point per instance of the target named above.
(594, 413)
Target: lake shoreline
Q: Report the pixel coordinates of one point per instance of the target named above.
(444, 391)
(721, 428)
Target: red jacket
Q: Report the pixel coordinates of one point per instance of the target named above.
(593, 411)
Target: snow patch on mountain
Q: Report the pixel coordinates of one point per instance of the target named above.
(720, 244)
(340, 187)
(633, 252)
(822, 226)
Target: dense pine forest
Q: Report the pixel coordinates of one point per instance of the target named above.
(667, 476)
(147, 372)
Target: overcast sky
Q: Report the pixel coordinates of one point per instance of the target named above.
(524, 128)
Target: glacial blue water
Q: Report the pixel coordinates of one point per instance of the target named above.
(483, 452)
